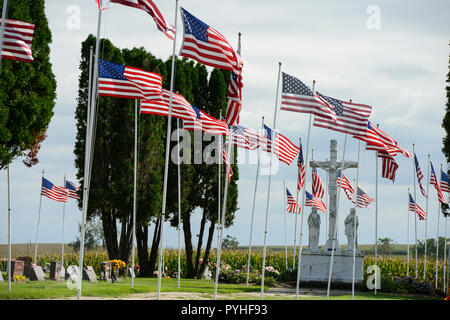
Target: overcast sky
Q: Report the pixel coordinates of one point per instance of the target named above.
(390, 55)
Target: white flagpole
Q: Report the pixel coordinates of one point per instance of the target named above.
(220, 141)
(9, 227)
(335, 222)
(407, 241)
(2, 32)
(300, 246)
(225, 196)
(285, 230)
(445, 253)
(224, 208)
(376, 221)
(437, 246)
(270, 179)
(179, 204)
(296, 215)
(89, 154)
(426, 221)
(356, 217)
(134, 187)
(39, 219)
(62, 236)
(415, 210)
(166, 164)
(253, 209)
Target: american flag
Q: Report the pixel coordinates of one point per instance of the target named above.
(54, 192)
(207, 46)
(297, 97)
(116, 80)
(17, 40)
(378, 140)
(445, 182)
(292, 205)
(389, 167)
(419, 176)
(346, 185)
(206, 123)
(225, 159)
(247, 138)
(301, 170)
(234, 104)
(413, 207)
(433, 180)
(317, 185)
(363, 200)
(159, 105)
(312, 201)
(285, 150)
(352, 118)
(73, 188)
(150, 7)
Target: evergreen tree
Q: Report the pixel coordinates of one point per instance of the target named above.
(446, 120)
(27, 90)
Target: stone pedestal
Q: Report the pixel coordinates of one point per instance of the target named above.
(315, 267)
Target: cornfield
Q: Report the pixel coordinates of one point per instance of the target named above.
(237, 260)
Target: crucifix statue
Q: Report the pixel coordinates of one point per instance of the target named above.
(332, 166)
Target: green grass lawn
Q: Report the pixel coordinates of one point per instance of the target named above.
(51, 289)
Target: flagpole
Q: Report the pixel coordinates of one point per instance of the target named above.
(134, 188)
(335, 222)
(296, 216)
(300, 249)
(354, 227)
(224, 208)
(426, 221)
(166, 164)
(445, 253)
(89, 147)
(2, 32)
(225, 196)
(376, 221)
(285, 230)
(39, 219)
(62, 236)
(437, 244)
(179, 203)
(407, 233)
(415, 211)
(253, 208)
(270, 179)
(9, 227)
(220, 141)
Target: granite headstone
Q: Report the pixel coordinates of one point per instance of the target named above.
(72, 273)
(89, 274)
(17, 267)
(36, 273)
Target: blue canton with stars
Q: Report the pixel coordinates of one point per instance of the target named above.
(337, 104)
(238, 130)
(111, 70)
(194, 26)
(197, 111)
(295, 86)
(268, 132)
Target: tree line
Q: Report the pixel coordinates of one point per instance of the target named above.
(111, 186)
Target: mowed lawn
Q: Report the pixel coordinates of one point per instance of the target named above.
(50, 289)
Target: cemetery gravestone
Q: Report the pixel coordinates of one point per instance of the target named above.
(56, 270)
(106, 270)
(89, 274)
(1, 277)
(27, 265)
(36, 273)
(72, 273)
(17, 267)
(131, 273)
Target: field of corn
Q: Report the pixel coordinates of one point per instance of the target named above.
(236, 259)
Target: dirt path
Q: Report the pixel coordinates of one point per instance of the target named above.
(277, 293)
